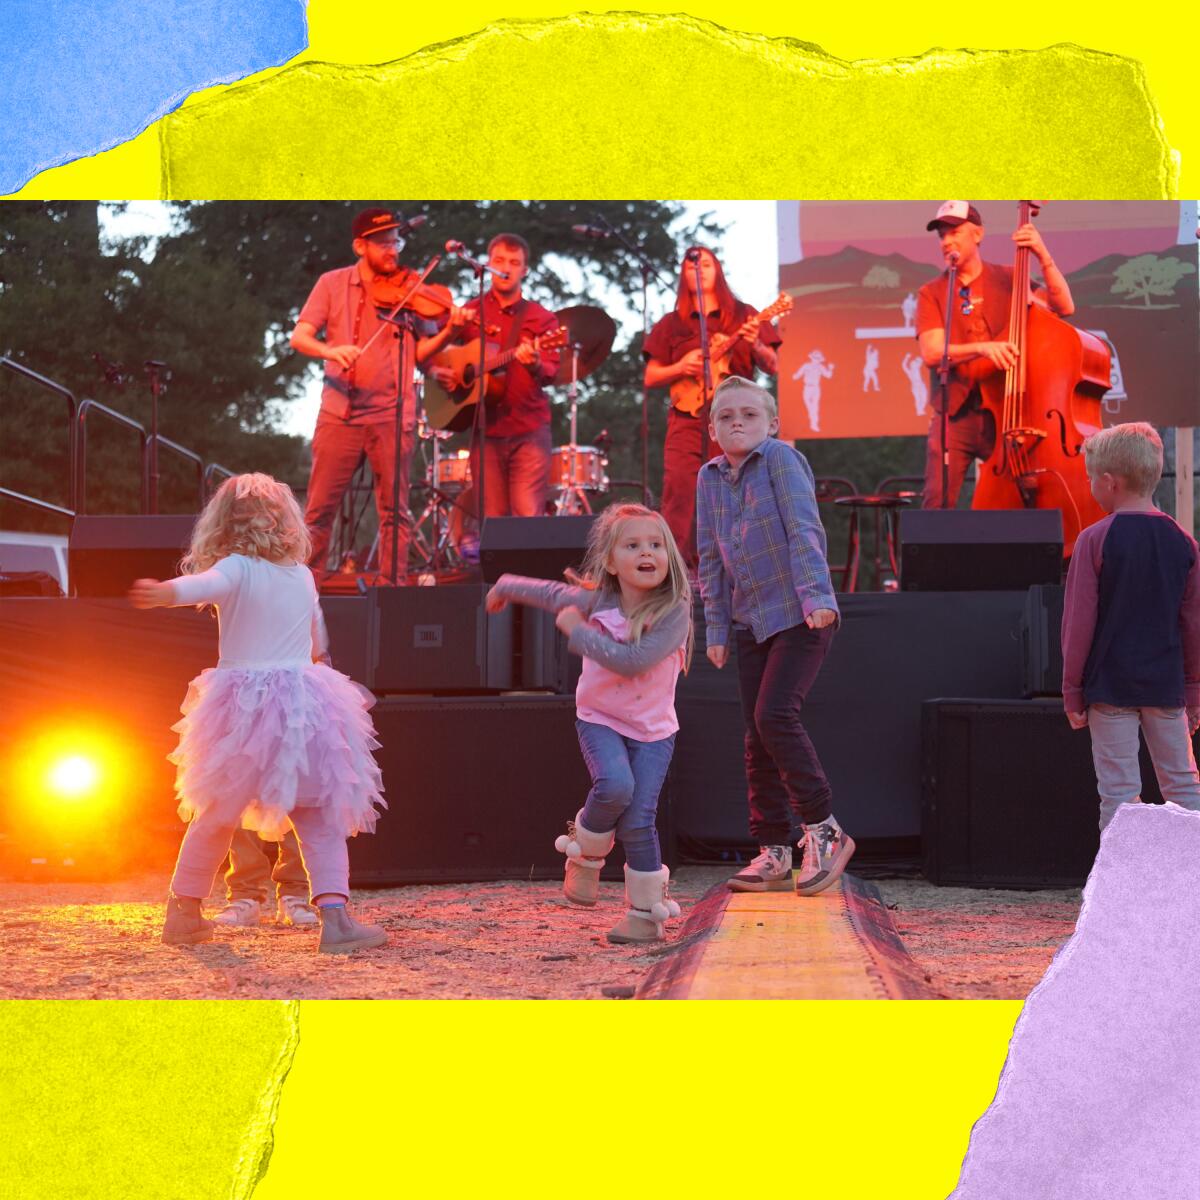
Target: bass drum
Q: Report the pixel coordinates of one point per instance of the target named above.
(588, 474)
(454, 472)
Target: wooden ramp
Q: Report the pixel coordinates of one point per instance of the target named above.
(839, 945)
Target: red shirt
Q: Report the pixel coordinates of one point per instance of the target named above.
(673, 337)
(524, 406)
(991, 299)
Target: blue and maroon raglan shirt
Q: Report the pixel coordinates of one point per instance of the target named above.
(1131, 616)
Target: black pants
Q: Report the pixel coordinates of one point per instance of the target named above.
(784, 777)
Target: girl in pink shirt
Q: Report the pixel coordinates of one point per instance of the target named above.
(632, 625)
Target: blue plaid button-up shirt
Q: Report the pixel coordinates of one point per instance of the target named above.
(762, 545)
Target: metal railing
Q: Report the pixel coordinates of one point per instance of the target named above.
(77, 443)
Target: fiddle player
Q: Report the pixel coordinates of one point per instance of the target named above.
(978, 333)
(362, 388)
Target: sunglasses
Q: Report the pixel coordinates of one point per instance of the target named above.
(964, 294)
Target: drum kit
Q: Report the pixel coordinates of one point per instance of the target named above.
(577, 473)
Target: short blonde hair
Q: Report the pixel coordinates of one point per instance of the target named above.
(1133, 451)
(253, 515)
(735, 384)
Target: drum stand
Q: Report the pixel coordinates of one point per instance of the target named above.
(431, 530)
(572, 500)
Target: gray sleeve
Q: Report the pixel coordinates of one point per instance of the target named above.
(632, 658)
(544, 593)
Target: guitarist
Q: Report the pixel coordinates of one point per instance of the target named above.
(672, 353)
(518, 442)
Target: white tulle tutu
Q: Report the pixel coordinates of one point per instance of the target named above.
(255, 743)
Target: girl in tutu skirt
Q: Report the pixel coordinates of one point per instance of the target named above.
(270, 739)
(632, 623)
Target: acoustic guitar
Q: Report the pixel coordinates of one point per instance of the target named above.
(687, 394)
(453, 407)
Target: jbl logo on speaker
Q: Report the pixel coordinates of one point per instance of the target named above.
(427, 637)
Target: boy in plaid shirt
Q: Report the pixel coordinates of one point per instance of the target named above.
(764, 574)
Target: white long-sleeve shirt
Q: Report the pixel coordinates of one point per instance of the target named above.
(268, 612)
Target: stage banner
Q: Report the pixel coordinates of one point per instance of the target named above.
(849, 364)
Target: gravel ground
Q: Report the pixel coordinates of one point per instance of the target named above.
(483, 941)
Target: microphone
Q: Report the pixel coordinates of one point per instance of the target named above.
(693, 254)
(114, 372)
(409, 224)
(460, 251)
(592, 231)
(954, 258)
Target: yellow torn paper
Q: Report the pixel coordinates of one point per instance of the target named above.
(625, 104)
(153, 1100)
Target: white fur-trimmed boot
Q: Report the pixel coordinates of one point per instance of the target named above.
(585, 853)
(647, 894)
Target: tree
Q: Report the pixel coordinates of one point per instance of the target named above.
(216, 299)
(1148, 275)
(880, 276)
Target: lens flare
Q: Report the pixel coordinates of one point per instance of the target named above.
(75, 777)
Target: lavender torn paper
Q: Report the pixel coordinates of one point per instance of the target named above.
(1100, 1095)
(80, 77)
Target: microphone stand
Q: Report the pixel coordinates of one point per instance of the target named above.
(479, 429)
(944, 379)
(648, 269)
(704, 345)
(155, 370)
(403, 322)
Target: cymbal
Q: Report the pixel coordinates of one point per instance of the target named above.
(592, 330)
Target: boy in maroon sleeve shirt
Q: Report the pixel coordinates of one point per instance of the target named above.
(1131, 627)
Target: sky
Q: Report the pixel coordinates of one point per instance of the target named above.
(750, 258)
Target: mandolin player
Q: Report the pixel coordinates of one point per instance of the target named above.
(674, 360)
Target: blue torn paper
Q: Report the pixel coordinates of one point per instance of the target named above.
(81, 76)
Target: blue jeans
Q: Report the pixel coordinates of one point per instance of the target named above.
(518, 469)
(627, 776)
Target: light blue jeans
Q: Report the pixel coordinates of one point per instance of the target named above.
(1114, 734)
(627, 776)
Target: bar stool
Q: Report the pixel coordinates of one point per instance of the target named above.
(884, 506)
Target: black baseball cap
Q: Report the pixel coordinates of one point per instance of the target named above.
(373, 220)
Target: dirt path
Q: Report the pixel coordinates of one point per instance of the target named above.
(454, 941)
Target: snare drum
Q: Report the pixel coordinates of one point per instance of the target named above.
(589, 473)
(454, 471)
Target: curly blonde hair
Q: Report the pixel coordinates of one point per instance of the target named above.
(674, 590)
(253, 515)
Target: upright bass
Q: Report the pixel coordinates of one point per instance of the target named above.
(1044, 407)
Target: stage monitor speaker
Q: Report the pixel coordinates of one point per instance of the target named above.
(477, 788)
(439, 639)
(1009, 794)
(541, 547)
(105, 554)
(944, 550)
(1041, 641)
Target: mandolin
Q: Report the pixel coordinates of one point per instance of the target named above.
(687, 394)
(452, 407)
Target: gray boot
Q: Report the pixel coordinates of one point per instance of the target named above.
(185, 924)
(650, 904)
(342, 934)
(585, 853)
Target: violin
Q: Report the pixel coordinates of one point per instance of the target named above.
(428, 300)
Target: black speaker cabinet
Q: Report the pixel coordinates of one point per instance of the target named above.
(541, 547)
(944, 550)
(1041, 641)
(477, 788)
(107, 553)
(439, 639)
(1009, 794)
